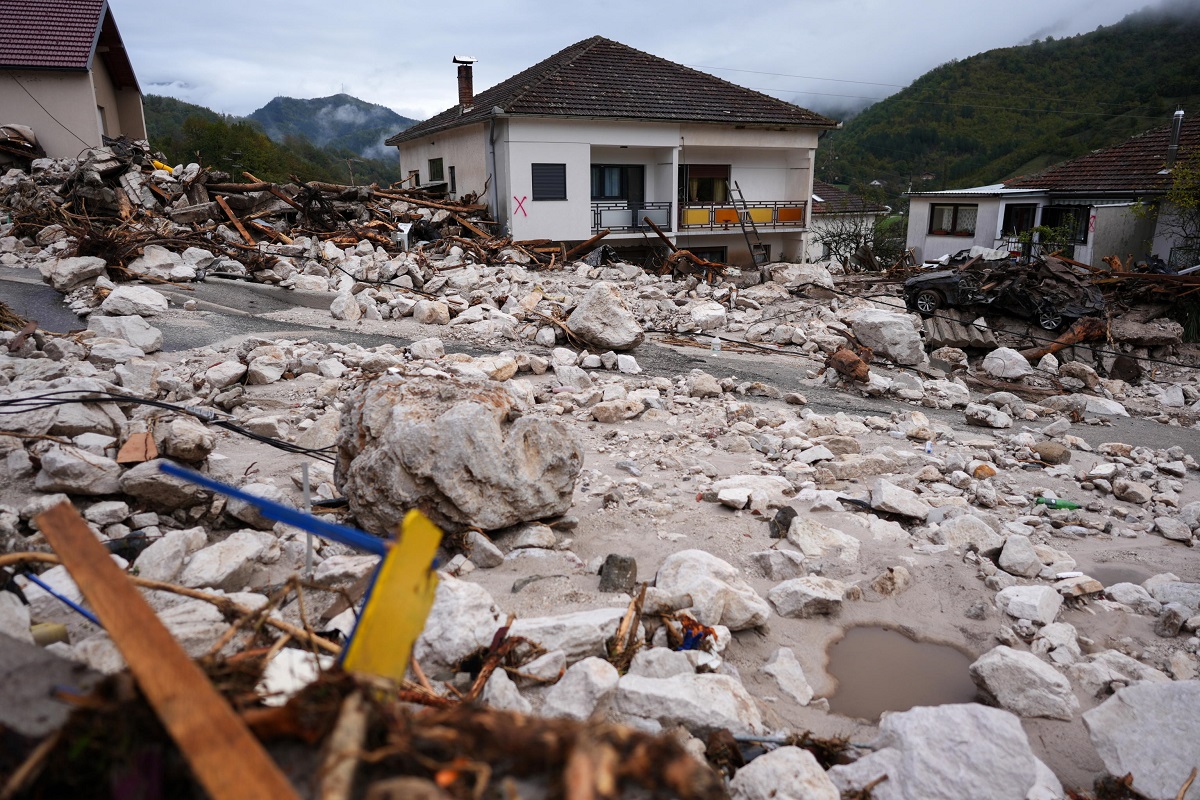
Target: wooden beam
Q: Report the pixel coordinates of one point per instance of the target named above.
(237, 223)
(673, 247)
(482, 234)
(225, 758)
(579, 248)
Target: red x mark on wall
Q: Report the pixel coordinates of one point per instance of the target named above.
(520, 205)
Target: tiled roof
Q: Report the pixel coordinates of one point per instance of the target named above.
(602, 78)
(49, 34)
(839, 201)
(1133, 166)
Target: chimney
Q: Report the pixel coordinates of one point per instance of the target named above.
(466, 87)
(1173, 147)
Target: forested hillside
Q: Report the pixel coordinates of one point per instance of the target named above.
(1016, 110)
(340, 121)
(185, 132)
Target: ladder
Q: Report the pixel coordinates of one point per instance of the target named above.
(757, 249)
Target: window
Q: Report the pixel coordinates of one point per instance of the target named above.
(1018, 218)
(453, 182)
(102, 118)
(1076, 218)
(549, 181)
(619, 182)
(414, 177)
(436, 173)
(715, 254)
(704, 183)
(953, 220)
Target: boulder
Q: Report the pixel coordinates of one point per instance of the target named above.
(950, 752)
(986, 416)
(887, 496)
(1039, 604)
(1019, 558)
(132, 329)
(797, 275)
(809, 596)
(779, 565)
(817, 540)
(150, 484)
(225, 565)
(501, 693)
(186, 439)
(1022, 683)
(1151, 731)
(244, 511)
(1006, 363)
(889, 333)
(75, 471)
(969, 531)
(708, 315)
(463, 619)
(64, 274)
(700, 703)
(452, 448)
(787, 672)
(579, 635)
(225, 374)
(602, 318)
(582, 687)
(719, 594)
(431, 312)
(786, 773)
(1131, 491)
(127, 300)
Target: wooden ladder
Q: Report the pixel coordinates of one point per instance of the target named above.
(757, 249)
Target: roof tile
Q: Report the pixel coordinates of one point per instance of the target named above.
(602, 78)
(49, 34)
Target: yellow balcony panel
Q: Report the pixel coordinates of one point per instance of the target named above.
(695, 216)
(762, 216)
(725, 216)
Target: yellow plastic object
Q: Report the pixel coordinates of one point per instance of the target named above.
(762, 215)
(45, 633)
(161, 165)
(695, 216)
(398, 604)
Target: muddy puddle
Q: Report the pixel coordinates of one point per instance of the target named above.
(879, 670)
(1109, 574)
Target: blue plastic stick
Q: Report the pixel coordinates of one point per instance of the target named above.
(352, 537)
(71, 604)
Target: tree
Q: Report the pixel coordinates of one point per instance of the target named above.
(1179, 209)
(860, 239)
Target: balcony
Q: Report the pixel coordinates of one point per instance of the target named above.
(621, 215)
(724, 216)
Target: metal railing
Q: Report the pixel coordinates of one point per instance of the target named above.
(764, 213)
(621, 215)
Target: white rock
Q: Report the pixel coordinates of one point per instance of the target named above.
(780, 565)
(708, 315)
(1102, 405)
(500, 692)
(949, 752)
(986, 416)
(130, 300)
(887, 496)
(969, 531)
(809, 596)
(786, 773)
(345, 307)
(603, 319)
(787, 672)
(816, 540)
(719, 594)
(777, 490)
(431, 348)
(75, 471)
(163, 559)
(463, 619)
(132, 329)
(1037, 603)
(700, 703)
(431, 312)
(227, 373)
(1019, 558)
(661, 662)
(1151, 731)
(889, 333)
(584, 686)
(288, 673)
(225, 565)
(1007, 363)
(579, 635)
(1024, 684)
(64, 274)
(14, 618)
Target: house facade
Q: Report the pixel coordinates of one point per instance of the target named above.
(601, 136)
(1096, 197)
(65, 74)
(838, 217)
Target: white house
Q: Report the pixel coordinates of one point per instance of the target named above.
(64, 73)
(600, 136)
(1094, 195)
(840, 214)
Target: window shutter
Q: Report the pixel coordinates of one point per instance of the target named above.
(719, 171)
(549, 181)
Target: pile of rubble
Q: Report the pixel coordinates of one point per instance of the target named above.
(630, 540)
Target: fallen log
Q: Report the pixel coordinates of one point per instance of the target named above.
(1085, 329)
(579, 248)
(847, 363)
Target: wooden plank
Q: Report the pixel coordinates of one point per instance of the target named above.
(226, 759)
(579, 248)
(475, 229)
(237, 223)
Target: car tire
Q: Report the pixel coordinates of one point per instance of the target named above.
(1050, 320)
(928, 301)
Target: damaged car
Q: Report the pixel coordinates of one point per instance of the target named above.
(1047, 291)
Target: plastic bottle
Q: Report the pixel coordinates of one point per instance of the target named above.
(1056, 503)
(716, 344)
(928, 447)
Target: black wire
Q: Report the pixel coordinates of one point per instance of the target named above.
(38, 402)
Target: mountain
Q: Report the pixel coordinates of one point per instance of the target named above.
(1016, 110)
(340, 121)
(185, 132)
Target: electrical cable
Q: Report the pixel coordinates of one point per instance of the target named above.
(56, 119)
(44, 400)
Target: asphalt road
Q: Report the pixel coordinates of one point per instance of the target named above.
(228, 308)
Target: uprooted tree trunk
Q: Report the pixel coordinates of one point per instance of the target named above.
(1085, 329)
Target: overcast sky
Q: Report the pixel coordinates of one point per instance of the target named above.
(823, 54)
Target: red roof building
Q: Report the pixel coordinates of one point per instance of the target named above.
(65, 74)
(601, 137)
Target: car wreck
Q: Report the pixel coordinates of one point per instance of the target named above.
(1048, 291)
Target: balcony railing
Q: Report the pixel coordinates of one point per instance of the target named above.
(621, 215)
(724, 216)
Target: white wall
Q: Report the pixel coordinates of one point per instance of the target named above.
(463, 148)
(122, 107)
(68, 96)
(930, 247)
